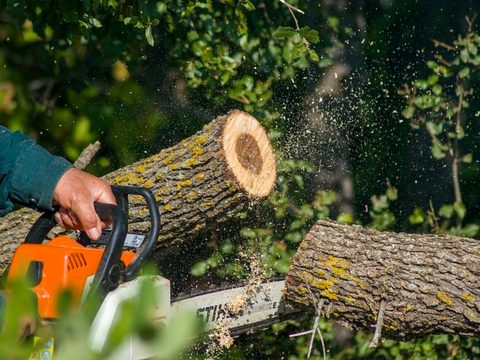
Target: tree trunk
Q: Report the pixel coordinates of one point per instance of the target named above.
(198, 183)
(428, 284)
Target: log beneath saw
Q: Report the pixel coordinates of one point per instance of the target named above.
(198, 183)
(428, 284)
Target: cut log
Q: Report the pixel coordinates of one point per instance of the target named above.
(429, 284)
(198, 184)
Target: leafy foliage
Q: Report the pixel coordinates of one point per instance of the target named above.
(91, 52)
(438, 104)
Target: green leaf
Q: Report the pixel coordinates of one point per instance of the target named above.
(199, 268)
(310, 35)
(192, 35)
(464, 72)
(95, 22)
(81, 132)
(446, 211)
(470, 230)
(437, 150)
(297, 224)
(248, 5)
(437, 89)
(333, 22)
(298, 50)
(460, 209)
(459, 132)
(325, 198)
(417, 217)
(432, 65)
(283, 32)
(227, 247)
(421, 84)
(299, 180)
(324, 62)
(434, 128)
(149, 36)
(408, 112)
(214, 260)
(472, 48)
(248, 233)
(432, 79)
(383, 220)
(392, 193)
(379, 202)
(294, 237)
(313, 55)
(345, 218)
(467, 158)
(161, 7)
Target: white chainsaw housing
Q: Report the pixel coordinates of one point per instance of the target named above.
(262, 307)
(133, 348)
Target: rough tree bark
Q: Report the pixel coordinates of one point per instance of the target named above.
(198, 183)
(428, 283)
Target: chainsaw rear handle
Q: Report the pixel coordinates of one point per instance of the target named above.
(40, 229)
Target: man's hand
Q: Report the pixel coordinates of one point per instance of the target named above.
(75, 194)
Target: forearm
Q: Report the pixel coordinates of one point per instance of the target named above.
(28, 172)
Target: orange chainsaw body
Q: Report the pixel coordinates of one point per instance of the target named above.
(60, 265)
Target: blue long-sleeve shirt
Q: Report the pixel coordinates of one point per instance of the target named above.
(28, 173)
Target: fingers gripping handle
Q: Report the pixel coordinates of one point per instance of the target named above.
(40, 229)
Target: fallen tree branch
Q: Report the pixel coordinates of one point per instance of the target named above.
(199, 183)
(425, 284)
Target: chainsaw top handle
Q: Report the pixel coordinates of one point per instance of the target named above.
(122, 192)
(109, 272)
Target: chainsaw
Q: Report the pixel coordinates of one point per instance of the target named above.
(108, 270)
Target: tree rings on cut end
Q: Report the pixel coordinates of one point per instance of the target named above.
(249, 154)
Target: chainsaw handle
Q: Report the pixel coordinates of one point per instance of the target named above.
(109, 272)
(40, 229)
(151, 237)
(46, 222)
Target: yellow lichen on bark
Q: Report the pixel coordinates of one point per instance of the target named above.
(444, 298)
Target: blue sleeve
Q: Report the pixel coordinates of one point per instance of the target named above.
(28, 173)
